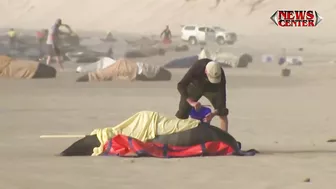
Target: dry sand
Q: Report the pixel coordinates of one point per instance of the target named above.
(290, 119)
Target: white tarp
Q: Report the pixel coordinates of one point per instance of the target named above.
(227, 59)
(150, 71)
(221, 57)
(101, 64)
(294, 60)
(204, 54)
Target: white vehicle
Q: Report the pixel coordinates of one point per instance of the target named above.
(201, 34)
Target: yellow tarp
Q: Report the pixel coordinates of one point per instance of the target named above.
(144, 125)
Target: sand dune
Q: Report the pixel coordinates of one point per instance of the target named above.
(243, 16)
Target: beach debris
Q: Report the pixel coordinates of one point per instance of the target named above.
(331, 140)
(129, 160)
(285, 72)
(267, 58)
(306, 180)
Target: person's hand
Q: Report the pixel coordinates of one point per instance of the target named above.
(208, 117)
(196, 105)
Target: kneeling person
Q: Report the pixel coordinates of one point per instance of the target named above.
(204, 78)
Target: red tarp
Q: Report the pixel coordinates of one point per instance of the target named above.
(126, 146)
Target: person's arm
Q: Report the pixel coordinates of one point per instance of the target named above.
(221, 109)
(224, 123)
(186, 80)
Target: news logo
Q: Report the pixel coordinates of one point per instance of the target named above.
(296, 18)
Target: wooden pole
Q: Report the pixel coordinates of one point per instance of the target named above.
(62, 136)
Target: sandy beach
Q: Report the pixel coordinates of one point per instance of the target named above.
(288, 119)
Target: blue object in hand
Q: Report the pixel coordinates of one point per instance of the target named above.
(200, 114)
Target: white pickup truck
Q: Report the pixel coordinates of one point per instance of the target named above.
(195, 34)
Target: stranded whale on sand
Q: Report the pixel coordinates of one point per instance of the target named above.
(24, 69)
(124, 69)
(152, 134)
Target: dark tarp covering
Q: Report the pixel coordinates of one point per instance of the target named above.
(145, 52)
(185, 62)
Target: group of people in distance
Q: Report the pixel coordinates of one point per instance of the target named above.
(205, 78)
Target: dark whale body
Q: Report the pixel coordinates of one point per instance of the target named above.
(201, 134)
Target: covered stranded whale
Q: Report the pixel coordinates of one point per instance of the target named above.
(226, 59)
(24, 69)
(125, 69)
(151, 134)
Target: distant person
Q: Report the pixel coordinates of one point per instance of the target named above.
(166, 35)
(41, 37)
(205, 78)
(12, 35)
(283, 57)
(53, 43)
(109, 53)
(109, 36)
